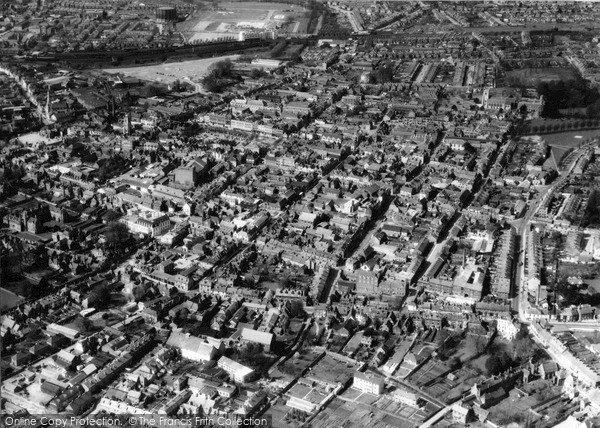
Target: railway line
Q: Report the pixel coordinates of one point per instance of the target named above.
(114, 57)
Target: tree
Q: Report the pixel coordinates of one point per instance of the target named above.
(222, 68)
(177, 86)
(396, 303)
(138, 292)
(117, 237)
(111, 216)
(278, 48)
(100, 296)
(455, 362)
(524, 349)
(111, 167)
(16, 171)
(211, 83)
(522, 333)
(83, 324)
(591, 216)
(250, 351)
(505, 359)
(523, 110)
(296, 308)
(154, 90)
(493, 365)
(257, 73)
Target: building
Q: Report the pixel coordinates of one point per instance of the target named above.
(461, 414)
(266, 63)
(237, 372)
(256, 35)
(580, 369)
(149, 224)
(191, 347)
(262, 337)
(534, 263)
(69, 332)
(369, 383)
(503, 263)
(406, 397)
(189, 174)
(532, 106)
(506, 328)
(167, 276)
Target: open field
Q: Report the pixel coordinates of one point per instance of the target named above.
(532, 76)
(228, 19)
(169, 72)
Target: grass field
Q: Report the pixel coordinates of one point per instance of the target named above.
(169, 72)
(570, 139)
(227, 19)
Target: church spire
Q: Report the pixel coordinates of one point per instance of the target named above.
(48, 102)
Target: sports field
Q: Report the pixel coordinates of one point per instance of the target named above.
(228, 19)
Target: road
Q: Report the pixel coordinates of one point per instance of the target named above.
(523, 225)
(39, 109)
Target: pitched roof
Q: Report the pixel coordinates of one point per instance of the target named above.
(192, 344)
(257, 336)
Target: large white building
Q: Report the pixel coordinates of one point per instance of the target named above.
(193, 348)
(149, 224)
(369, 383)
(237, 372)
(506, 328)
(406, 397)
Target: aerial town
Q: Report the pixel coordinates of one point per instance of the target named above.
(300, 213)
